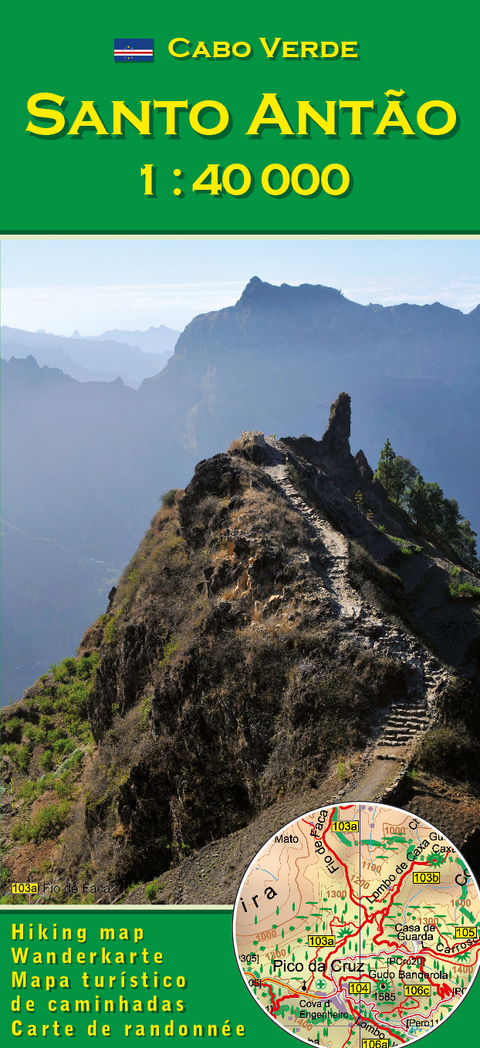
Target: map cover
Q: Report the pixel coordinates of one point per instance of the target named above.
(263, 127)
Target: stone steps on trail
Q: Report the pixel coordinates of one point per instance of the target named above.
(406, 725)
(413, 718)
(405, 720)
(399, 733)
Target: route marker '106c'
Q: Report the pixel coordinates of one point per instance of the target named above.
(352, 925)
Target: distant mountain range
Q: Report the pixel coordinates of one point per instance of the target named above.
(129, 355)
(85, 463)
(155, 340)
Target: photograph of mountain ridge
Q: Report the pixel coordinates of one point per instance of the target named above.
(280, 585)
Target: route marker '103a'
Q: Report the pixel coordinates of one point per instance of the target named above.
(358, 924)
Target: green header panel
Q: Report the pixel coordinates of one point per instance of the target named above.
(346, 118)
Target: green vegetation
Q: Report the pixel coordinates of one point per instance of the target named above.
(406, 548)
(151, 890)
(436, 516)
(449, 750)
(48, 759)
(168, 498)
(168, 651)
(452, 747)
(20, 754)
(394, 472)
(47, 762)
(145, 711)
(13, 724)
(75, 678)
(462, 590)
(111, 629)
(46, 823)
(45, 703)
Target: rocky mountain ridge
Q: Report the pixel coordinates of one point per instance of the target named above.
(283, 636)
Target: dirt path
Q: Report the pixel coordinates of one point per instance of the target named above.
(346, 601)
(401, 723)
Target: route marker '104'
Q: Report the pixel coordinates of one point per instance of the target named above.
(358, 925)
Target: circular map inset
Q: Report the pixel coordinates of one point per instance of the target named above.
(357, 926)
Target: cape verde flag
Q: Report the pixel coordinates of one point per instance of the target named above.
(128, 50)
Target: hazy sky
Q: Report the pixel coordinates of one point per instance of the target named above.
(93, 284)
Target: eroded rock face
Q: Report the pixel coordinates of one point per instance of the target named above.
(336, 439)
(124, 671)
(220, 477)
(365, 470)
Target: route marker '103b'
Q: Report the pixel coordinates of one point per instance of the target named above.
(358, 924)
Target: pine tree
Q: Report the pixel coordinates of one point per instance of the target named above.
(426, 504)
(404, 473)
(385, 472)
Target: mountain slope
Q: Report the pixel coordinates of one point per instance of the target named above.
(268, 642)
